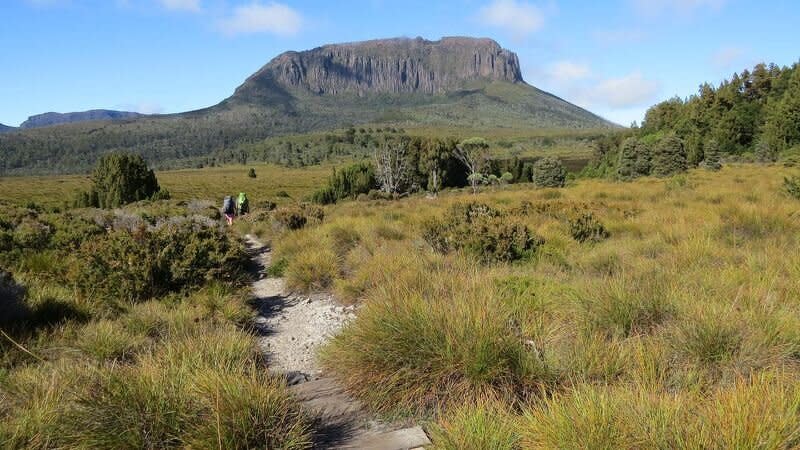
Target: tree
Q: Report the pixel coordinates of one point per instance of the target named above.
(549, 172)
(251, 173)
(474, 154)
(432, 162)
(764, 152)
(643, 159)
(626, 170)
(669, 156)
(121, 178)
(391, 167)
(712, 156)
(355, 179)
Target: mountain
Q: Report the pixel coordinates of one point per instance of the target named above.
(6, 128)
(387, 66)
(453, 83)
(53, 118)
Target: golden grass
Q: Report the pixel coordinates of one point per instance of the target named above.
(691, 304)
(210, 183)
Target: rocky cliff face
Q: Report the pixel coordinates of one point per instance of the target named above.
(387, 66)
(52, 118)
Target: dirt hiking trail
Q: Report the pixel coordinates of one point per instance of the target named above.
(292, 328)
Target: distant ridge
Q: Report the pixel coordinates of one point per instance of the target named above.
(452, 83)
(6, 128)
(53, 118)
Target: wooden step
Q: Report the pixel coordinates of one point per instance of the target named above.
(404, 439)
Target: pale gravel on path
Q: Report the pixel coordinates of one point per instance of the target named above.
(294, 326)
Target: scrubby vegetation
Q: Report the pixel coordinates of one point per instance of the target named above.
(119, 179)
(129, 329)
(636, 322)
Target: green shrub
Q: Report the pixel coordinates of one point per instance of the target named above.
(482, 232)
(711, 156)
(31, 233)
(134, 266)
(549, 172)
(791, 185)
(295, 217)
(118, 179)
(346, 183)
(251, 173)
(586, 228)
(669, 156)
(12, 303)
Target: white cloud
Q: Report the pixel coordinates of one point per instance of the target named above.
(568, 71)
(682, 7)
(624, 92)
(181, 5)
(725, 57)
(520, 18)
(274, 18)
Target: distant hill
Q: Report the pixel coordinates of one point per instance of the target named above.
(6, 128)
(453, 82)
(53, 118)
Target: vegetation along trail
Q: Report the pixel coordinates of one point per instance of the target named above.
(293, 328)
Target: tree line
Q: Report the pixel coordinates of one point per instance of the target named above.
(753, 116)
(755, 111)
(402, 164)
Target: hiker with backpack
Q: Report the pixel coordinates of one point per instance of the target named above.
(242, 204)
(228, 209)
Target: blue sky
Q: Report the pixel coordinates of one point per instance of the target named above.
(614, 57)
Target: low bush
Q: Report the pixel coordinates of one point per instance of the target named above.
(134, 266)
(295, 217)
(586, 228)
(791, 185)
(482, 232)
(12, 302)
(549, 172)
(346, 183)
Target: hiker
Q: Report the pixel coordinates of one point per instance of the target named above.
(242, 204)
(228, 209)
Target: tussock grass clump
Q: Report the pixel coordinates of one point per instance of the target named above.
(486, 424)
(620, 307)
(601, 417)
(312, 270)
(105, 340)
(709, 338)
(432, 338)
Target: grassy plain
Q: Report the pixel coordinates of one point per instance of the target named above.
(680, 330)
(210, 183)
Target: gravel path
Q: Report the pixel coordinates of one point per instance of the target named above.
(293, 326)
